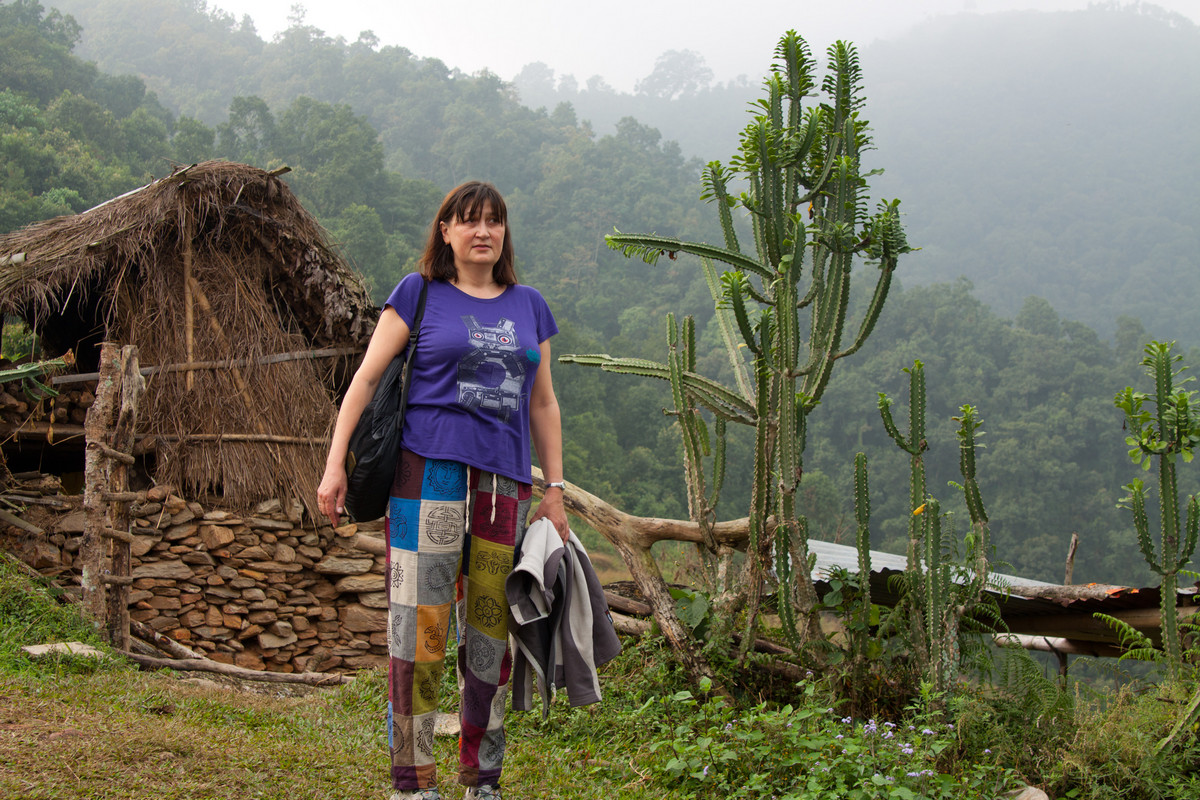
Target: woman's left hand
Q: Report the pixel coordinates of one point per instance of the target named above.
(551, 508)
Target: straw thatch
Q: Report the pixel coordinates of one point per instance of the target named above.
(217, 262)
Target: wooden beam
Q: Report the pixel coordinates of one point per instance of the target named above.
(98, 427)
(1085, 627)
(1059, 645)
(116, 455)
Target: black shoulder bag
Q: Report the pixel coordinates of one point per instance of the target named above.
(375, 444)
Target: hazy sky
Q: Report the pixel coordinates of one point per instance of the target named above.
(620, 39)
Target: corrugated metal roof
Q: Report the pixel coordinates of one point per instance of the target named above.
(1026, 605)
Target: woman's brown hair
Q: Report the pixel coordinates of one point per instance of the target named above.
(465, 203)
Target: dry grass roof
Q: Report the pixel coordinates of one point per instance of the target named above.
(216, 262)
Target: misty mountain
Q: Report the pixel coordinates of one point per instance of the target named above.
(1037, 154)
(1053, 155)
(374, 136)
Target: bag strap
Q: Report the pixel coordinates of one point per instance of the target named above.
(408, 357)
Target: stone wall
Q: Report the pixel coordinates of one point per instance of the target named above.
(264, 590)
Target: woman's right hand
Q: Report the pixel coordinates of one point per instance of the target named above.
(331, 494)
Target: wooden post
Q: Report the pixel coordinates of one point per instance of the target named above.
(1069, 575)
(94, 547)
(109, 432)
(119, 460)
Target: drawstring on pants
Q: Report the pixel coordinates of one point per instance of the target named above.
(495, 489)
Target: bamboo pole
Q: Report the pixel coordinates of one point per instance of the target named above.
(17, 522)
(219, 332)
(38, 430)
(189, 314)
(227, 363)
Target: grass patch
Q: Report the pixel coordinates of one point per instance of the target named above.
(76, 728)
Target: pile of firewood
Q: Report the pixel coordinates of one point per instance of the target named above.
(24, 400)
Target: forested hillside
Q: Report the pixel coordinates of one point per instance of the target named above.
(1048, 154)
(1100, 201)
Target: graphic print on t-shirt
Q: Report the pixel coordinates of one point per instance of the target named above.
(491, 374)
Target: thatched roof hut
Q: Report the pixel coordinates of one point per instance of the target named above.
(227, 286)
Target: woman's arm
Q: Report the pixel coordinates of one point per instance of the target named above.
(388, 340)
(545, 426)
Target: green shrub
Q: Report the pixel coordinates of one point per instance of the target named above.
(709, 748)
(33, 611)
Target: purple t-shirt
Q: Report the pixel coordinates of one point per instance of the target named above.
(473, 373)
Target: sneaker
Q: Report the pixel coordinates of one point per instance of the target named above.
(483, 793)
(419, 794)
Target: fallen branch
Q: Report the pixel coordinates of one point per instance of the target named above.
(208, 665)
(17, 522)
(164, 643)
(21, 499)
(630, 626)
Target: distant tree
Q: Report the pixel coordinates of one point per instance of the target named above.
(86, 120)
(193, 141)
(249, 134)
(535, 84)
(35, 52)
(676, 73)
(120, 94)
(359, 232)
(146, 146)
(335, 155)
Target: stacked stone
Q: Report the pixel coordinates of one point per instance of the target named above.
(260, 591)
(264, 590)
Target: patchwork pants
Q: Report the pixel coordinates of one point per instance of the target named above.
(435, 559)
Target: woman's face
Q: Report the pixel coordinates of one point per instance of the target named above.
(476, 242)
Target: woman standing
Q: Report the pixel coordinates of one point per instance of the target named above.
(480, 394)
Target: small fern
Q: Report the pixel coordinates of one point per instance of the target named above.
(1137, 645)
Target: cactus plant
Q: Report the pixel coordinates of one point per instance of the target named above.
(1167, 435)
(805, 196)
(938, 590)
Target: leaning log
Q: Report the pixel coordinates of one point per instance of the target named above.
(208, 665)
